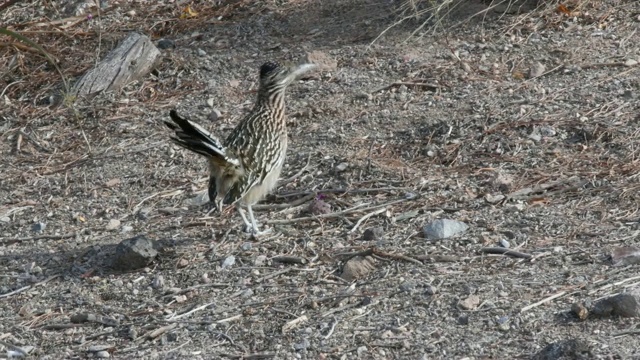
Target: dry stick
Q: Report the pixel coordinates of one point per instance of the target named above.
(35, 142)
(297, 202)
(296, 175)
(15, 291)
(365, 217)
(14, 348)
(8, 241)
(335, 214)
(157, 332)
(545, 300)
(333, 327)
(342, 191)
(201, 307)
(626, 332)
(540, 188)
(6, 5)
(256, 356)
(406, 83)
(617, 283)
(272, 275)
(505, 251)
(397, 257)
(29, 287)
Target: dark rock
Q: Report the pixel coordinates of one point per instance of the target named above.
(627, 255)
(624, 305)
(565, 349)
(166, 44)
(135, 253)
(38, 227)
(319, 207)
(373, 234)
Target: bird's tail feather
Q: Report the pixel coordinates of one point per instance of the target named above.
(194, 137)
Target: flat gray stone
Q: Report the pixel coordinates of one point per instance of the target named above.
(444, 228)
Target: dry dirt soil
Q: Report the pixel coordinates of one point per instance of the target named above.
(525, 126)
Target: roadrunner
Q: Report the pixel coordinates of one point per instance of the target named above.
(244, 168)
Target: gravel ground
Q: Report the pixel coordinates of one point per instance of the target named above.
(524, 127)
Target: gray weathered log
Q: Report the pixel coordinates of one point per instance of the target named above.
(131, 60)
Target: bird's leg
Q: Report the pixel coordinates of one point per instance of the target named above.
(254, 224)
(247, 225)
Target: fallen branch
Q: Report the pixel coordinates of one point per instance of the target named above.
(432, 87)
(505, 251)
(342, 191)
(294, 203)
(354, 209)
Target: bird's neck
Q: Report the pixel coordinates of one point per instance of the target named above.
(272, 101)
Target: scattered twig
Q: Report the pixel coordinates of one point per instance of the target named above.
(256, 356)
(201, 307)
(525, 192)
(9, 241)
(626, 332)
(14, 348)
(432, 87)
(354, 209)
(365, 217)
(15, 291)
(343, 191)
(6, 5)
(24, 288)
(179, 347)
(294, 203)
(296, 175)
(157, 332)
(397, 257)
(333, 327)
(543, 301)
(293, 323)
(272, 275)
(34, 142)
(505, 251)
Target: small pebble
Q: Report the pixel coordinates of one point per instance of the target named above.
(103, 354)
(260, 260)
(342, 166)
(158, 282)
(228, 262)
(201, 53)
(113, 224)
(302, 345)
(38, 227)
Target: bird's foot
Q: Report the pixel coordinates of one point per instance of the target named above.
(255, 233)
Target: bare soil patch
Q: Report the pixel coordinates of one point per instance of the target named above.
(525, 127)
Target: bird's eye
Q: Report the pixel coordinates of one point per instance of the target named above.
(268, 68)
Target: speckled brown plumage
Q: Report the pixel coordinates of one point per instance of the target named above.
(247, 165)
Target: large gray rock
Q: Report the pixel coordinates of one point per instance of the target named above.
(135, 253)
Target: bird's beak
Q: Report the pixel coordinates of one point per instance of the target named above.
(296, 71)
